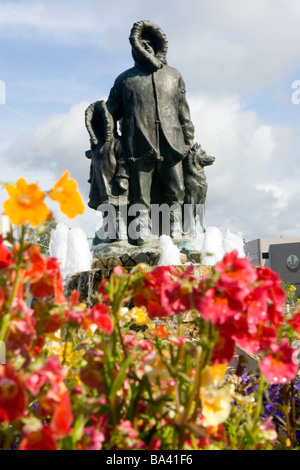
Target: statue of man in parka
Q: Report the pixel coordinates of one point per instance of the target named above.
(149, 101)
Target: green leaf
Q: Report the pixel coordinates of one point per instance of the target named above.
(78, 429)
(118, 382)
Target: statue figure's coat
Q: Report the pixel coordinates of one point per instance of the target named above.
(150, 99)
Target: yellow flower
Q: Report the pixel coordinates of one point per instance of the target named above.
(65, 192)
(139, 315)
(26, 204)
(216, 402)
(155, 367)
(65, 352)
(216, 405)
(212, 375)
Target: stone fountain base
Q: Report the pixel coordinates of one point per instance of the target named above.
(107, 255)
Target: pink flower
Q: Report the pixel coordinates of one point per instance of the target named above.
(268, 430)
(278, 367)
(51, 372)
(92, 439)
(5, 255)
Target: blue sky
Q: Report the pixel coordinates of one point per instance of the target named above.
(238, 60)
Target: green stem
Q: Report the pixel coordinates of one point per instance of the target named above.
(179, 319)
(120, 333)
(287, 409)
(196, 386)
(11, 428)
(259, 400)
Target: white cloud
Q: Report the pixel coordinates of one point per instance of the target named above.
(280, 195)
(57, 144)
(235, 45)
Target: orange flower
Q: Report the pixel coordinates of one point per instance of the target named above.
(26, 204)
(65, 192)
(160, 332)
(50, 283)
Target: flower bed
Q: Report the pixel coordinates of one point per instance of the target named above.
(146, 366)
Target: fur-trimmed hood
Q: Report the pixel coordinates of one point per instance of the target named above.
(141, 56)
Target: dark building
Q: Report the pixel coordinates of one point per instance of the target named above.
(280, 254)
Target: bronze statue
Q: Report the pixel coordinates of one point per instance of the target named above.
(148, 104)
(195, 186)
(108, 170)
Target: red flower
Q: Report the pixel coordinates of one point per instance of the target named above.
(153, 307)
(36, 264)
(234, 268)
(93, 374)
(38, 346)
(222, 302)
(5, 255)
(13, 398)
(42, 439)
(271, 283)
(74, 298)
(261, 340)
(75, 312)
(163, 292)
(62, 416)
(295, 322)
(20, 335)
(224, 348)
(99, 316)
(49, 318)
(278, 367)
(50, 284)
(257, 308)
